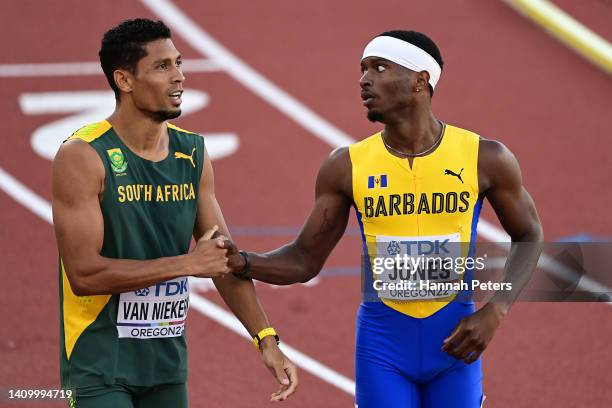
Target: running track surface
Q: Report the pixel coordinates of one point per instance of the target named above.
(503, 78)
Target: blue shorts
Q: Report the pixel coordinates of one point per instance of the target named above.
(399, 361)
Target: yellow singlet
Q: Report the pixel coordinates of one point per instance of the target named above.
(435, 200)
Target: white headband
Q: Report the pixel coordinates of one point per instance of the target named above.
(405, 54)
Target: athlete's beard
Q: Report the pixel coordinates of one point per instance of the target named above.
(374, 116)
(163, 115)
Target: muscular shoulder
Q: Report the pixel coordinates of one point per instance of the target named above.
(339, 159)
(77, 164)
(494, 155)
(335, 173)
(78, 153)
(497, 165)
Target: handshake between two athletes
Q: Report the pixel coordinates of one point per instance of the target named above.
(217, 257)
(117, 241)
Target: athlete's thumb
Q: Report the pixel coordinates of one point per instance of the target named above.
(209, 234)
(452, 336)
(281, 375)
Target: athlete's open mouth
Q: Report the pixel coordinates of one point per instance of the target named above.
(175, 96)
(367, 97)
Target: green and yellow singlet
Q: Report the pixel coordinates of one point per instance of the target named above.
(149, 210)
(430, 205)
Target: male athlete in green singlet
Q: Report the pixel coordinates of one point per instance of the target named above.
(129, 193)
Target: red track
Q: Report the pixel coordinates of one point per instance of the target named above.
(503, 78)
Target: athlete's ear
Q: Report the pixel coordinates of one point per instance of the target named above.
(123, 79)
(422, 80)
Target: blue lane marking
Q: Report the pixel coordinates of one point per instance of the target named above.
(341, 271)
(584, 237)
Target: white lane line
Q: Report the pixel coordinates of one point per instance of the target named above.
(228, 320)
(26, 197)
(492, 233)
(201, 41)
(39, 206)
(88, 68)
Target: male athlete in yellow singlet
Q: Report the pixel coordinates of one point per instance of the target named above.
(416, 186)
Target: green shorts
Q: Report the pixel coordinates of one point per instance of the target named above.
(126, 396)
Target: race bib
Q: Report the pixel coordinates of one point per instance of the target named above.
(157, 311)
(417, 268)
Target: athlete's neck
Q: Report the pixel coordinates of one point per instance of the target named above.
(142, 134)
(412, 131)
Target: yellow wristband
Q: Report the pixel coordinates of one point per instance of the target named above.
(268, 331)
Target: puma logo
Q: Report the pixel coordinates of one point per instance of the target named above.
(452, 173)
(179, 155)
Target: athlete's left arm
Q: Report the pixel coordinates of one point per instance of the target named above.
(239, 294)
(501, 183)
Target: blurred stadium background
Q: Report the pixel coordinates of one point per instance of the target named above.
(273, 85)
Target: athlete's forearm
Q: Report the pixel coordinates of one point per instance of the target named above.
(109, 276)
(284, 266)
(240, 297)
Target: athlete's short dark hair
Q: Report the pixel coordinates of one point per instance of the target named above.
(420, 40)
(123, 46)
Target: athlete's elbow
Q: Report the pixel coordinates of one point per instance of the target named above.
(309, 273)
(535, 234)
(539, 233)
(81, 282)
(308, 278)
(531, 233)
(307, 265)
(79, 286)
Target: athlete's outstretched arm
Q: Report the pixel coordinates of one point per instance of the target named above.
(303, 258)
(239, 294)
(78, 180)
(501, 183)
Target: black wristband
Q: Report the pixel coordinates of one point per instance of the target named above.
(247, 266)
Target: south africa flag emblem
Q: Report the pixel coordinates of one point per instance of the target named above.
(117, 160)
